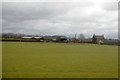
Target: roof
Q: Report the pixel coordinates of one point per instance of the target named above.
(27, 37)
(37, 37)
(31, 37)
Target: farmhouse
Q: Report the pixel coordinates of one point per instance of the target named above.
(98, 39)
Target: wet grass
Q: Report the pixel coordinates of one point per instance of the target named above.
(59, 60)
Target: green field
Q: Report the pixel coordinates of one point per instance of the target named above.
(0, 59)
(59, 60)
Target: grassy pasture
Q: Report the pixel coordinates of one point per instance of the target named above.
(0, 59)
(59, 60)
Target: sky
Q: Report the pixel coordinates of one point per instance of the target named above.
(55, 17)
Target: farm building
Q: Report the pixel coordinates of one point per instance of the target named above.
(59, 39)
(32, 39)
(45, 39)
(98, 39)
(56, 38)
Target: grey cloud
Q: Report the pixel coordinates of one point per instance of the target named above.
(59, 18)
(28, 11)
(44, 10)
(110, 6)
(0, 18)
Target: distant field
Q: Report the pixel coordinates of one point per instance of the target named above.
(59, 60)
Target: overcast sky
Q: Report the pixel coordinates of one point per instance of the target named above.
(65, 18)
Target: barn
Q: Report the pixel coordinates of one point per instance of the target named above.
(32, 39)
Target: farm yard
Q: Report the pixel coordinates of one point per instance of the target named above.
(59, 60)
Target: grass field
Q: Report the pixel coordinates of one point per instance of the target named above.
(59, 60)
(0, 59)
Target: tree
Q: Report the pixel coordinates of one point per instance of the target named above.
(81, 37)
